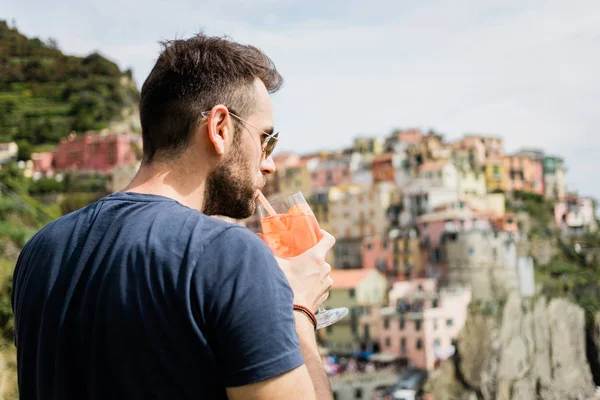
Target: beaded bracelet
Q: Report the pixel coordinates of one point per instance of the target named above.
(308, 313)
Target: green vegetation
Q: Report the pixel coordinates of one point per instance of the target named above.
(570, 274)
(45, 94)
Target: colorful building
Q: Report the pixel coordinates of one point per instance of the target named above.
(40, 165)
(420, 198)
(332, 170)
(368, 146)
(555, 185)
(477, 150)
(421, 323)
(403, 138)
(496, 175)
(358, 211)
(434, 227)
(294, 179)
(470, 182)
(576, 215)
(8, 152)
(377, 253)
(439, 174)
(97, 151)
(384, 166)
(407, 259)
(362, 291)
(525, 174)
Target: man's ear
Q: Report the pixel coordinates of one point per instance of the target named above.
(220, 128)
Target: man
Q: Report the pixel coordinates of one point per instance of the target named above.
(142, 295)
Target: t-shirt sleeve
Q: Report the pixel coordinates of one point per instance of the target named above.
(250, 310)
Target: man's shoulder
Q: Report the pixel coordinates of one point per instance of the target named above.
(233, 238)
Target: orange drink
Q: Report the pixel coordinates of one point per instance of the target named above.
(291, 234)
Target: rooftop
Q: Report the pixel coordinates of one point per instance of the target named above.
(348, 278)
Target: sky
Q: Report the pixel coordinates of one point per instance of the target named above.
(527, 71)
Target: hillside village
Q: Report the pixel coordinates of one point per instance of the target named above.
(424, 229)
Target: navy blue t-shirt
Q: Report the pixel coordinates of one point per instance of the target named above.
(139, 297)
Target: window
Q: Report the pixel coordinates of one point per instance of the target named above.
(436, 343)
(434, 303)
(401, 324)
(403, 343)
(369, 246)
(419, 344)
(420, 288)
(330, 329)
(351, 293)
(358, 393)
(386, 323)
(449, 322)
(387, 342)
(496, 170)
(435, 324)
(418, 325)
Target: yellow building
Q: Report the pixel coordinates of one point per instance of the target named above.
(493, 203)
(407, 256)
(368, 146)
(293, 179)
(362, 291)
(495, 175)
(470, 182)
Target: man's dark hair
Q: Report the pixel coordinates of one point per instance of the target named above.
(192, 76)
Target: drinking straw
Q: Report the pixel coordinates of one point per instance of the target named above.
(263, 200)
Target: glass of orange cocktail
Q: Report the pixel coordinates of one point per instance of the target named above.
(289, 228)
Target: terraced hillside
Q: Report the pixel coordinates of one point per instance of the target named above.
(45, 94)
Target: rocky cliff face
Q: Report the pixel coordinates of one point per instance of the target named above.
(529, 349)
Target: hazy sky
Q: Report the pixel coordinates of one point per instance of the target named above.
(528, 71)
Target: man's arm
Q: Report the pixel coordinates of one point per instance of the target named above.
(308, 381)
(312, 358)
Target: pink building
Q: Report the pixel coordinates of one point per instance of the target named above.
(422, 323)
(452, 217)
(377, 253)
(410, 136)
(482, 148)
(96, 151)
(524, 173)
(331, 172)
(575, 215)
(42, 162)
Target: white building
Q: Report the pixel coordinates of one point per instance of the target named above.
(8, 152)
(439, 174)
(420, 198)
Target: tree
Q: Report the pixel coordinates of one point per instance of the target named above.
(12, 177)
(24, 152)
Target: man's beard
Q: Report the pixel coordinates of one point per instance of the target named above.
(230, 189)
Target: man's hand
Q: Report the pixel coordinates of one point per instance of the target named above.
(308, 273)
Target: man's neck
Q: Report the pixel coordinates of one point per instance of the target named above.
(170, 181)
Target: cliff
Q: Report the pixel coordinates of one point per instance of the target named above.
(526, 349)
